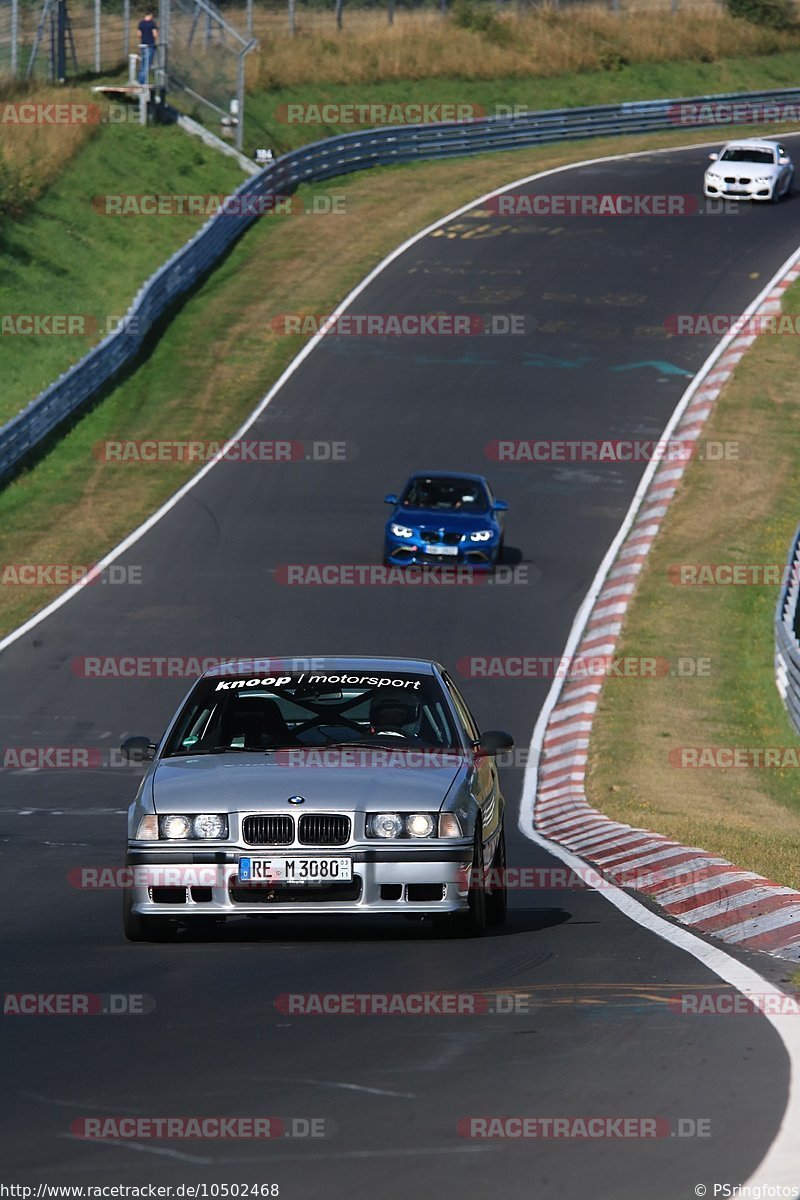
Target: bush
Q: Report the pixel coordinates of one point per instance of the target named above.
(776, 14)
(480, 18)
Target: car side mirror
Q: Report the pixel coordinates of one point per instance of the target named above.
(390, 499)
(500, 506)
(713, 157)
(138, 748)
(494, 741)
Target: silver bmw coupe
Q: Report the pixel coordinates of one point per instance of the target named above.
(324, 785)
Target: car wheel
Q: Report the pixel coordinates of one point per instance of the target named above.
(497, 899)
(473, 922)
(145, 929)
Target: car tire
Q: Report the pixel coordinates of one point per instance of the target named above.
(497, 899)
(145, 929)
(473, 922)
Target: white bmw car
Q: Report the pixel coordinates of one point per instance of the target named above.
(751, 169)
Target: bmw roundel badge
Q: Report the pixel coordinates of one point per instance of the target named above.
(297, 799)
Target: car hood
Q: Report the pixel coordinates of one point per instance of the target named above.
(423, 518)
(264, 782)
(746, 170)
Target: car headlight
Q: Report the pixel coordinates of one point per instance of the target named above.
(420, 825)
(482, 535)
(210, 825)
(175, 826)
(402, 531)
(384, 825)
(405, 825)
(203, 827)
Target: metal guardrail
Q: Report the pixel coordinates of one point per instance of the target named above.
(787, 627)
(86, 380)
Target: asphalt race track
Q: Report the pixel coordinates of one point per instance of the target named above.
(598, 1036)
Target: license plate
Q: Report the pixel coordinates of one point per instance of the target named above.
(296, 870)
(441, 549)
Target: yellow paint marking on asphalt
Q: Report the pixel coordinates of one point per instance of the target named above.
(615, 300)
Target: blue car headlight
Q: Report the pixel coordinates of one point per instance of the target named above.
(482, 535)
(401, 531)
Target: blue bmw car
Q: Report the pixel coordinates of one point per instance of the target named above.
(445, 517)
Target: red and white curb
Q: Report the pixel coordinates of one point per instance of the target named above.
(706, 893)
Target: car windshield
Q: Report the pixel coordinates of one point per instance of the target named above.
(446, 494)
(307, 710)
(744, 154)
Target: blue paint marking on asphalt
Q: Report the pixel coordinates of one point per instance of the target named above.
(663, 368)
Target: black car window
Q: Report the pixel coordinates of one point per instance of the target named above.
(439, 493)
(460, 703)
(741, 154)
(310, 710)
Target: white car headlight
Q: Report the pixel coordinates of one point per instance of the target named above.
(385, 825)
(420, 825)
(210, 825)
(482, 535)
(175, 826)
(402, 825)
(402, 531)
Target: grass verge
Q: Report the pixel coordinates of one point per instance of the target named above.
(738, 511)
(267, 111)
(64, 256)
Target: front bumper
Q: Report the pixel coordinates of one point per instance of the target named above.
(478, 556)
(184, 884)
(719, 190)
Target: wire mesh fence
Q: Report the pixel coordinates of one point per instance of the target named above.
(205, 55)
(212, 35)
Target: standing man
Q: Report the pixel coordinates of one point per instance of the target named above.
(148, 40)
